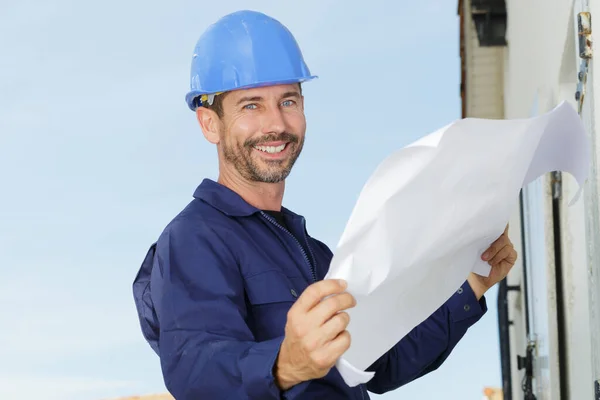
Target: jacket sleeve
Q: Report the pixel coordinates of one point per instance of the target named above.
(429, 344)
(206, 349)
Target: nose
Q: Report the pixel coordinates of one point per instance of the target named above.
(274, 122)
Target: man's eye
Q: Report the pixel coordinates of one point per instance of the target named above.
(250, 106)
(288, 103)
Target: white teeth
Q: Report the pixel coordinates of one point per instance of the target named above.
(270, 149)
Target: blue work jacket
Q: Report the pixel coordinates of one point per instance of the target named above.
(213, 294)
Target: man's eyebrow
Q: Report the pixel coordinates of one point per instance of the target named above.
(259, 98)
(291, 94)
(249, 98)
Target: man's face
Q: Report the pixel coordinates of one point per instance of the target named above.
(262, 131)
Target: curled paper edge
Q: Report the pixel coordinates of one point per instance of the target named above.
(352, 375)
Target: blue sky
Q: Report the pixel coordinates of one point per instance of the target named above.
(98, 152)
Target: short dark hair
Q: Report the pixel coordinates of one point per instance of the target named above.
(217, 105)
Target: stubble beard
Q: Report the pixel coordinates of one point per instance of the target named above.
(253, 170)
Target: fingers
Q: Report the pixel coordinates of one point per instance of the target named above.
(329, 353)
(339, 345)
(319, 337)
(505, 266)
(330, 306)
(495, 247)
(504, 254)
(313, 294)
(315, 332)
(332, 328)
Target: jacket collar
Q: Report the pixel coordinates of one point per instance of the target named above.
(227, 201)
(223, 199)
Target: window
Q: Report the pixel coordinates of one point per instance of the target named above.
(489, 17)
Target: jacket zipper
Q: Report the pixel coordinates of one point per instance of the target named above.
(314, 263)
(312, 270)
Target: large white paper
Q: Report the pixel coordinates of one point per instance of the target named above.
(430, 210)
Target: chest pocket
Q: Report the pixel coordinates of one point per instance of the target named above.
(271, 294)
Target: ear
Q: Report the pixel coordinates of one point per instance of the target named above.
(210, 123)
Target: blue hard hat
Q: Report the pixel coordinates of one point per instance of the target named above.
(241, 50)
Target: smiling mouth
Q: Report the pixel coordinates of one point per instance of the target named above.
(271, 149)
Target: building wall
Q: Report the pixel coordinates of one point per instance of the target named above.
(591, 114)
(536, 34)
(484, 73)
(539, 69)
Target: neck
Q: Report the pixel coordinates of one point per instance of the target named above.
(264, 196)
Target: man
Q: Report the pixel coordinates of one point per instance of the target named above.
(232, 295)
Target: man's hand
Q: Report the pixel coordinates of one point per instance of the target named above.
(501, 256)
(315, 333)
